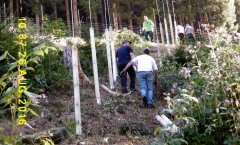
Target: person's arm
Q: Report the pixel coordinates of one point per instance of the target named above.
(155, 70)
(117, 56)
(132, 55)
(155, 77)
(127, 66)
(152, 26)
(143, 28)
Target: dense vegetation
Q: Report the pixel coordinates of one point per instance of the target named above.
(199, 82)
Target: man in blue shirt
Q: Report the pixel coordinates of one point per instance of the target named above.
(124, 56)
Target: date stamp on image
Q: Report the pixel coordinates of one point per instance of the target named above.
(22, 62)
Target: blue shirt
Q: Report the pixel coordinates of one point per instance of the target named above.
(123, 55)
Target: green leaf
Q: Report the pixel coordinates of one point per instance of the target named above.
(157, 130)
(3, 56)
(46, 51)
(12, 66)
(53, 48)
(29, 68)
(47, 141)
(6, 139)
(33, 60)
(39, 47)
(177, 141)
(39, 53)
(158, 142)
(33, 112)
(3, 84)
(29, 94)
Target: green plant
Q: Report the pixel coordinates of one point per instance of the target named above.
(56, 27)
(207, 108)
(9, 85)
(85, 56)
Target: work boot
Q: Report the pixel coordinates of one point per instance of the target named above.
(151, 106)
(145, 102)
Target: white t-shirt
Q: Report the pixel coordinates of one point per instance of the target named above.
(180, 29)
(189, 30)
(145, 63)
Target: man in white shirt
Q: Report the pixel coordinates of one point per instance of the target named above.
(189, 31)
(146, 67)
(180, 31)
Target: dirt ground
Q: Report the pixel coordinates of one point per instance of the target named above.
(118, 121)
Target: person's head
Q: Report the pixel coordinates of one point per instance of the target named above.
(126, 42)
(145, 18)
(187, 24)
(146, 51)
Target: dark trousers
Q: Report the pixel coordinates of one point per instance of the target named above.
(150, 33)
(132, 75)
(190, 38)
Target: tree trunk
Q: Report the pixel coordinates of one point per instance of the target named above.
(75, 16)
(37, 24)
(115, 14)
(95, 20)
(55, 10)
(67, 14)
(11, 8)
(17, 8)
(130, 25)
(119, 18)
(103, 21)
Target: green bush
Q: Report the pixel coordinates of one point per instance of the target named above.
(126, 34)
(55, 27)
(207, 107)
(85, 55)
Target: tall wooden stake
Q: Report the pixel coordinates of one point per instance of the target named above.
(165, 23)
(77, 105)
(114, 65)
(95, 67)
(170, 22)
(175, 24)
(160, 23)
(110, 73)
(158, 44)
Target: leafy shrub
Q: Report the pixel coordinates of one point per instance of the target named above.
(207, 108)
(52, 74)
(126, 34)
(85, 55)
(168, 75)
(56, 27)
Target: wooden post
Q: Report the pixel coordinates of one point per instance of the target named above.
(158, 44)
(37, 24)
(95, 67)
(77, 108)
(110, 73)
(4, 14)
(114, 65)
(165, 24)
(170, 22)
(160, 23)
(175, 25)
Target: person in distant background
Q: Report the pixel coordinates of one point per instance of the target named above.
(148, 27)
(180, 31)
(189, 31)
(147, 75)
(124, 56)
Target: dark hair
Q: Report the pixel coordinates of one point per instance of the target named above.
(146, 51)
